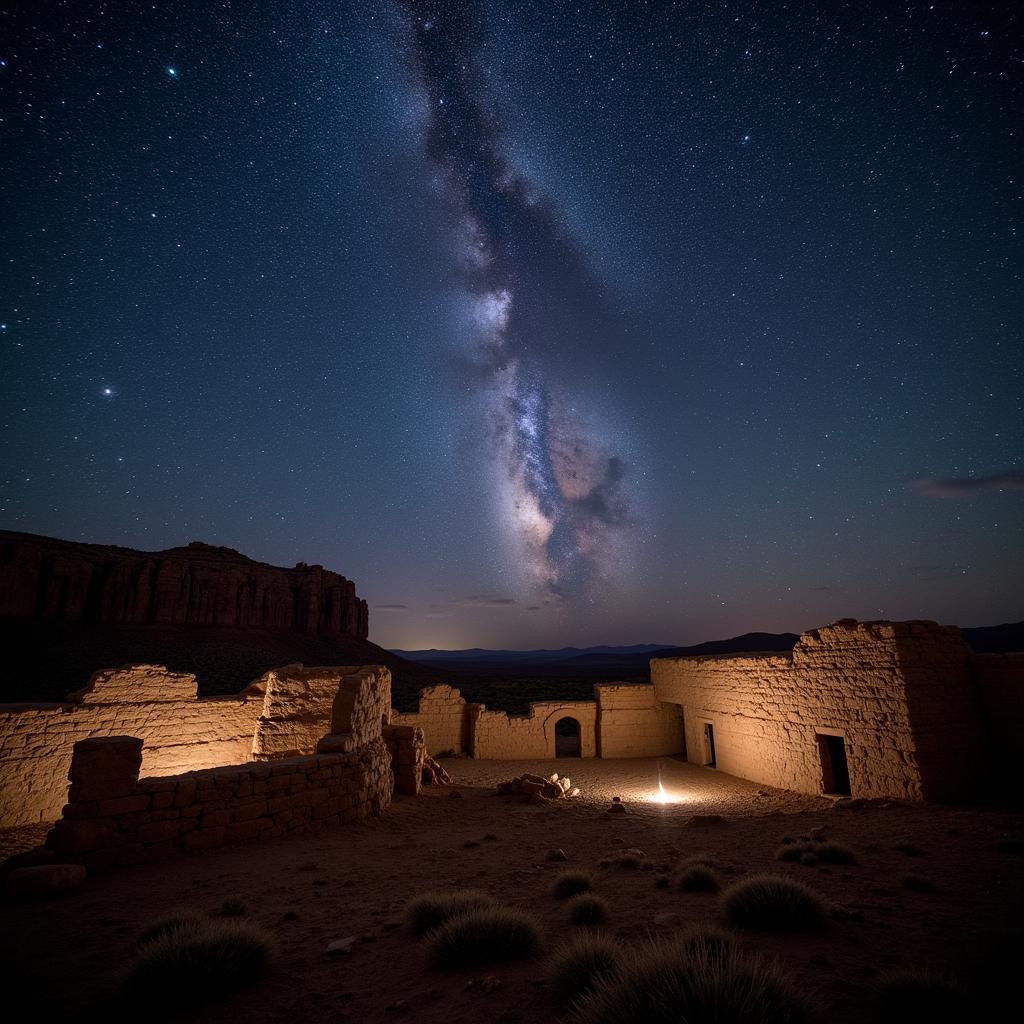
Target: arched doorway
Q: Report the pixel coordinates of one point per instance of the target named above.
(567, 738)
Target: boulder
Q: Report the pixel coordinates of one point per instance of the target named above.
(44, 880)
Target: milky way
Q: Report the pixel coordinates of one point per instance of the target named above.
(559, 488)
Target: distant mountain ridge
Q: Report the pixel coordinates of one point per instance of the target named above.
(634, 658)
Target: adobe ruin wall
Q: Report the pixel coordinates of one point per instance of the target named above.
(900, 695)
(623, 720)
(287, 712)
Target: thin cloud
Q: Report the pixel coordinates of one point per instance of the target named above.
(391, 607)
(485, 601)
(966, 487)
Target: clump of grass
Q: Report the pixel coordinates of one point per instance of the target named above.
(701, 860)
(815, 852)
(773, 903)
(432, 909)
(177, 920)
(485, 935)
(191, 963)
(578, 966)
(571, 883)
(917, 884)
(697, 977)
(920, 995)
(699, 878)
(586, 908)
(232, 908)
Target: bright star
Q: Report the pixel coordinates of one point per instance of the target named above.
(745, 139)
(173, 72)
(108, 392)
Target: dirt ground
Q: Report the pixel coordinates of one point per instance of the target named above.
(64, 958)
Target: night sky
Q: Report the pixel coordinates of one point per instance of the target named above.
(546, 323)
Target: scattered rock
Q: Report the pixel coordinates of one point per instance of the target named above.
(43, 880)
(398, 1006)
(617, 809)
(470, 844)
(490, 984)
(557, 855)
(434, 774)
(340, 946)
(29, 859)
(841, 913)
(535, 789)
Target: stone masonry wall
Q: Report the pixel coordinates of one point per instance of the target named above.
(112, 817)
(1000, 682)
(285, 713)
(624, 720)
(443, 715)
(899, 694)
(632, 722)
(499, 736)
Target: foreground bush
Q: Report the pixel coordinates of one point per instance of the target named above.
(578, 966)
(920, 995)
(699, 878)
(432, 909)
(193, 963)
(485, 935)
(695, 979)
(773, 903)
(587, 909)
(174, 921)
(571, 883)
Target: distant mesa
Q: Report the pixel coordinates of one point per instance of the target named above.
(69, 609)
(48, 580)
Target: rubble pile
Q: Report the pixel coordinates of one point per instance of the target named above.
(538, 790)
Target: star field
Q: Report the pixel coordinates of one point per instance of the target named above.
(547, 323)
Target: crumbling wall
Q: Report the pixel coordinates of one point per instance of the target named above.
(497, 735)
(113, 817)
(999, 679)
(898, 693)
(632, 722)
(408, 752)
(287, 712)
(443, 715)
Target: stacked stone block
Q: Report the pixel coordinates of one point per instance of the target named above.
(408, 754)
(113, 817)
(632, 722)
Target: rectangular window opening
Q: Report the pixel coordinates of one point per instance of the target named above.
(710, 760)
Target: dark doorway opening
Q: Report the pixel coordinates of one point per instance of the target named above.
(835, 773)
(567, 738)
(710, 761)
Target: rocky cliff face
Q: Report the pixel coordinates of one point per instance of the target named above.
(48, 580)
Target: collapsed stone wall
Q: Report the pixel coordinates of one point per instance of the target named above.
(48, 580)
(498, 735)
(623, 720)
(898, 694)
(443, 715)
(113, 817)
(287, 712)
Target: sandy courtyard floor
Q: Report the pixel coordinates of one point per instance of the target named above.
(64, 958)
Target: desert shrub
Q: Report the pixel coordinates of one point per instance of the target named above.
(698, 977)
(814, 852)
(773, 903)
(432, 909)
(192, 963)
(484, 935)
(578, 966)
(699, 878)
(586, 908)
(917, 884)
(701, 860)
(177, 920)
(835, 853)
(920, 995)
(571, 883)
